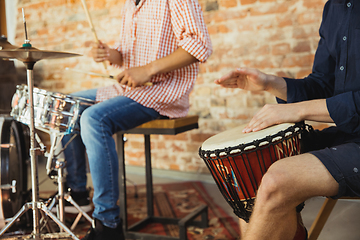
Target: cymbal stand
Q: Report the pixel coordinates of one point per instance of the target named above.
(35, 204)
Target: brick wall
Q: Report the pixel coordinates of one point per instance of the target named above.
(276, 36)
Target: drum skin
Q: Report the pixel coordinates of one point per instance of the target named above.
(13, 166)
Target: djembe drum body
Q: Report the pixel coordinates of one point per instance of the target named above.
(238, 161)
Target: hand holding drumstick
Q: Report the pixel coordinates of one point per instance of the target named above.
(132, 77)
(101, 52)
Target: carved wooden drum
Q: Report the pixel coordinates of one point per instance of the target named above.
(238, 161)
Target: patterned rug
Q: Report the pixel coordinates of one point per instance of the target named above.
(177, 200)
(174, 200)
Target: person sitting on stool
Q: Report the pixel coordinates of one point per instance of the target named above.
(162, 43)
(331, 94)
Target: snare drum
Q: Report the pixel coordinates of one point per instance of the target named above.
(13, 166)
(237, 161)
(52, 111)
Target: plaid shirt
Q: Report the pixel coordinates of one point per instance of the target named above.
(154, 29)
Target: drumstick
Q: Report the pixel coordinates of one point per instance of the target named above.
(91, 25)
(102, 75)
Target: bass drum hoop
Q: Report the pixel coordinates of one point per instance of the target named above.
(12, 166)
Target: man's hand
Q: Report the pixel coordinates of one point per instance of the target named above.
(134, 77)
(244, 78)
(272, 114)
(254, 80)
(100, 51)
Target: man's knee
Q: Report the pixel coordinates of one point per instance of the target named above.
(273, 187)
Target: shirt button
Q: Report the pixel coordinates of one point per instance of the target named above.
(348, 4)
(344, 38)
(342, 68)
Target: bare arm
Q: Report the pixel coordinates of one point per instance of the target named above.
(271, 114)
(277, 87)
(254, 80)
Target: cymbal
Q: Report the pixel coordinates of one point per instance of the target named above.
(32, 55)
(4, 44)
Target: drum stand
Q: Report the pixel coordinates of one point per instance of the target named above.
(29, 56)
(37, 206)
(61, 195)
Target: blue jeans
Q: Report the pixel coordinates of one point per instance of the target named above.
(97, 125)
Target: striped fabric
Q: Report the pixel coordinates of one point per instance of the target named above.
(154, 29)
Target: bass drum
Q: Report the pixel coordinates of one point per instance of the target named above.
(13, 166)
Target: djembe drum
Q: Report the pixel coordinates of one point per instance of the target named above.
(238, 161)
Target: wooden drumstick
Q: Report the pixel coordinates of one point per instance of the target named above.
(103, 75)
(91, 25)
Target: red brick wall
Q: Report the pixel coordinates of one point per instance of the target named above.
(276, 36)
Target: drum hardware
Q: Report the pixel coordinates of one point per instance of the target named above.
(55, 114)
(11, 186)
(61, 196)
(51, 157)
(29, 56)
(6, 145)
(4, 44)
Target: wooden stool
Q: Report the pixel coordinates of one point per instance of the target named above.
(166, 127)
(322, 217)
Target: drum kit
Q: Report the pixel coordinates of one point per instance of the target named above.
(50, 112)
(237, 161)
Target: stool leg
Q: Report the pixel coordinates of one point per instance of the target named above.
(149, 179)
(122, 179)
(321, 218)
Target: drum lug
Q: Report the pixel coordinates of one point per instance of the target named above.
(8, 186)
(6, 145)
(13, 186)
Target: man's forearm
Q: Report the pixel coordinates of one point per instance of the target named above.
(178, 59)
(115, 57)
(277, 87)
(314, 110)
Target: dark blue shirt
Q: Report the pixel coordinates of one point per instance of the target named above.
(336, 70)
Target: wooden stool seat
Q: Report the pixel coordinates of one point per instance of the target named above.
(165, 127)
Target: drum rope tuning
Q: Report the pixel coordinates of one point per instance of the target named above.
(238, 169)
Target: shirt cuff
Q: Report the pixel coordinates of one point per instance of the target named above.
(342, 110)
(196, 47)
